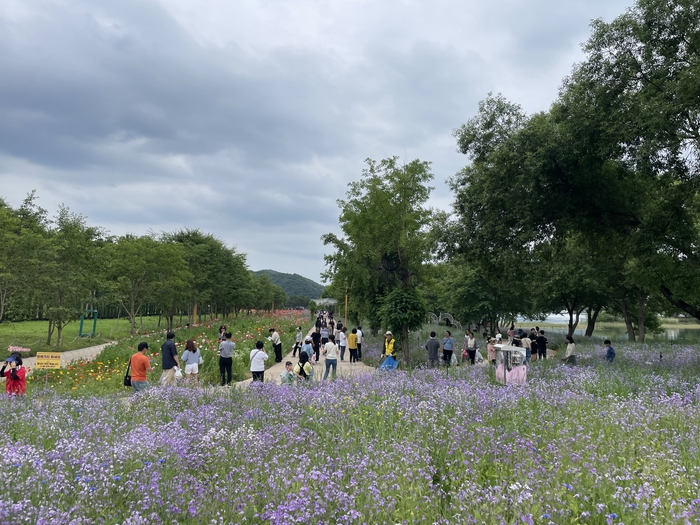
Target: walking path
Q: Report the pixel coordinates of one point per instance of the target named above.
(345, 368)
(71, 356)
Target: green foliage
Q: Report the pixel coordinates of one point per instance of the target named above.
(294, 284)
(385, 247)
(402, 309)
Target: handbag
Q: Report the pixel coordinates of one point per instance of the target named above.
(178, 373)
(201, 360)
(127, 375)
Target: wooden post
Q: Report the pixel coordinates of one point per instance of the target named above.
(346, 307)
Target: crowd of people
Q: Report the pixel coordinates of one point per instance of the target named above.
(535, 345)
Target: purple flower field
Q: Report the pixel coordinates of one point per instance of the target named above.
(595, 444)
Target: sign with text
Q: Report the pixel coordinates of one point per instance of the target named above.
(18, 349)
(48, 360)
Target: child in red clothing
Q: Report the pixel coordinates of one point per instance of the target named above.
(15, 377)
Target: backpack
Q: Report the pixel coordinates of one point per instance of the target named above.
(303, 359)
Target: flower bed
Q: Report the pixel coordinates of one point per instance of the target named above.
(596, 444)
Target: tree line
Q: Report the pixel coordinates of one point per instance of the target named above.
(53, 268)
(590, 206)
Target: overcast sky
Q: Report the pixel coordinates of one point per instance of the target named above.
(248, 118)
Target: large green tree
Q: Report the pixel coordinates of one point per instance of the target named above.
(69, 269)
(381, 257)
(137, 268)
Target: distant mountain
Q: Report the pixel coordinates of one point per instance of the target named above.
(294, 284)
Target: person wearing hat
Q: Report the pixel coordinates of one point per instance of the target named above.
(16, 376)
(140, 365)
(389, 349)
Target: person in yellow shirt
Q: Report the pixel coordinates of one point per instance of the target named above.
(352, 345)
(389, 349)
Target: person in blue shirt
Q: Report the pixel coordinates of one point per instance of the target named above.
(448, 344)
(610, 354)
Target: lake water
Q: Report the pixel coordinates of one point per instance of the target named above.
(617, 332)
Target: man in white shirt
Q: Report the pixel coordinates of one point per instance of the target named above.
(297, 342)
(360, 341)
(342, 343)
(257, 361)
(276, 344)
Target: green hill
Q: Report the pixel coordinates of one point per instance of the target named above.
(294, 284)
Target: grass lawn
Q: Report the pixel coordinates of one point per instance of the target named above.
(32, 334)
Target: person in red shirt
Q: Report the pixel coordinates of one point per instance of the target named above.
(140, 365)
(15, 377)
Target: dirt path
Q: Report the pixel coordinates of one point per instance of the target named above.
(85, 354)
(345, 368)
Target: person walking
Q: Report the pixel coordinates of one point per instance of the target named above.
(330, 350)
(140, 365)
(170, 362)
(226, 349)
(324, 335)
(360, 342)
(432, 346)
(570, 356)
(316, 343)
(297, 341)
(276, 344)
(191, 357)
(342, 343)
(448, 344)
(257, 361)
(352, 345)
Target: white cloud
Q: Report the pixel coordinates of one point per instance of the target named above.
(249, 118)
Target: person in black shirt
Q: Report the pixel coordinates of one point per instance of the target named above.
(541, 346)
(316, 343)
(170, 360)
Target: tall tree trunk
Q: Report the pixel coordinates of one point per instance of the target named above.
(574, 316)
(3, 296)
(628, 318)
(592, 316)
(48, 337)
(404, 344)
(59, 332)
(641, 304)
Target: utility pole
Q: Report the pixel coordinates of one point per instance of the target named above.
(346, 306)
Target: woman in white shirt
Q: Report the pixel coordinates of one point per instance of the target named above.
(570, 357)
(257, 361)
(330, 350)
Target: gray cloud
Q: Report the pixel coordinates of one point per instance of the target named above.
(248, 120)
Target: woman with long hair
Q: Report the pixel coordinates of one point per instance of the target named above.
(570, 357)
(191, 358)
